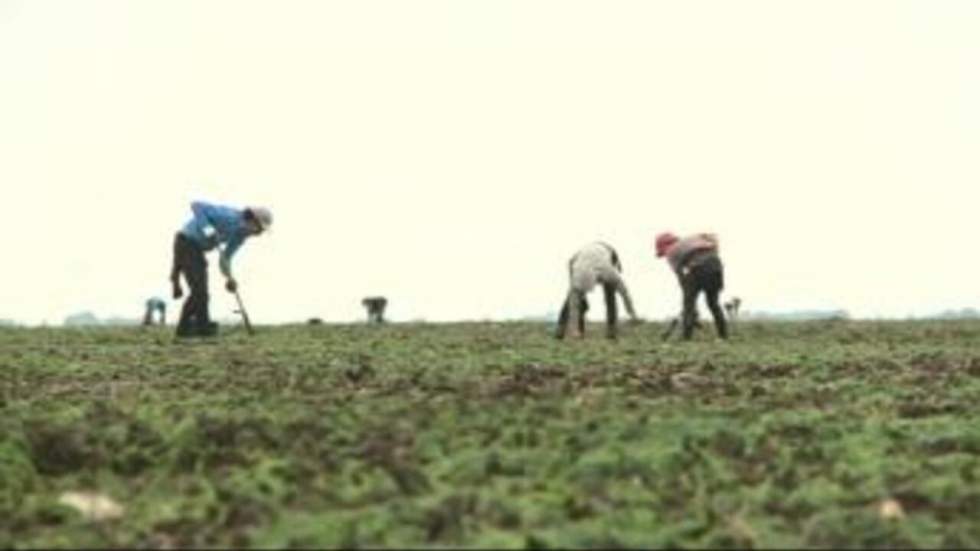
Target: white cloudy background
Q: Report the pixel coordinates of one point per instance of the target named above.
(453, 154)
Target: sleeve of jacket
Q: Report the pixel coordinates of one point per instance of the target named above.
(627, 299)
(202, 212)
(224, 261)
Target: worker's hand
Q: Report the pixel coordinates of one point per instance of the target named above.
(231, 285)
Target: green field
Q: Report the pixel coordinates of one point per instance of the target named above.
(494, 434)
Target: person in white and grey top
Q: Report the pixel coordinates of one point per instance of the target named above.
(596, 263)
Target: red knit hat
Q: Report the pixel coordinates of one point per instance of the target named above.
(664, 242)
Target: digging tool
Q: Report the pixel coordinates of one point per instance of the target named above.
(241, 306)
(670, 328)
(677, 321)
(241, 310)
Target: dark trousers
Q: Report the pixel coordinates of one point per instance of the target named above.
(563, 318)
(707, 276)
(189, 260)
(609, 292)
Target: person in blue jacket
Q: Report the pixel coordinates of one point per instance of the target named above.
(210, 226)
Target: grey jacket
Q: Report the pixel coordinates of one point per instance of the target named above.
(592, 264)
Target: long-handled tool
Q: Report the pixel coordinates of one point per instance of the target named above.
(241, 306)
(674, 323)
(241, 310)
(670, 329)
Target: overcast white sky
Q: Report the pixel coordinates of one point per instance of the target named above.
(453, 154)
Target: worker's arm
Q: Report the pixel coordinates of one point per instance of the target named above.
(224, 260)
(627, 300)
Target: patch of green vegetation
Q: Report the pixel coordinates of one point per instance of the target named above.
(494, 435)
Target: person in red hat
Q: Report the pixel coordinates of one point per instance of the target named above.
(698, 267)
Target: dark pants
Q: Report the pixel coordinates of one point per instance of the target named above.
(563, 318)
(609, 291)
(189, 260)
(707, 276)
